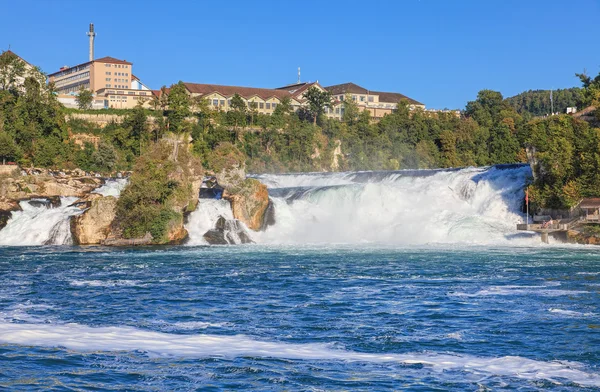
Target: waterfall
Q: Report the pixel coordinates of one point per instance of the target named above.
(472, 205)
(39, 223)
(205, 217)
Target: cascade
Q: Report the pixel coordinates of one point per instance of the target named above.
(471, 205)
(38, 223)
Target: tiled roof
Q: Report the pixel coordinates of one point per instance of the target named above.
(229, 91)
(590, 202)
(394, 97)
(112, 60)
(346, 88)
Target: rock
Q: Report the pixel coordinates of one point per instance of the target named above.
(227, 231)
(269, 216)
(231, 177)
(93, 226)
(249, 202)
(176, 232)
(4, 217)
(145, 240)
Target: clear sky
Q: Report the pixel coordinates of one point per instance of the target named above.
(439, 52)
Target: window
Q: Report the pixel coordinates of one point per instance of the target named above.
(268, 106)
(342, 111)
(107, 85)
(131, 92)
(337, 110)
(108, 79)
(229, 102)
(215, 102)
(222, 102)
(362, 98)
(354, 98)
(108, 72)
(261, 105)
(341, 97)
(274, 105)
(370, 99)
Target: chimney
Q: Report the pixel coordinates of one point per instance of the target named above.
(91, 34)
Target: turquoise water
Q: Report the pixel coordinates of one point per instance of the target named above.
(300, 318)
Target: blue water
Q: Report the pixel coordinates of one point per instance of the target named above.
(282, 318)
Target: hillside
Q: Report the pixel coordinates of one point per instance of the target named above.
(537, 102)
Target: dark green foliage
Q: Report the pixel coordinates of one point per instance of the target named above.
(8, 149)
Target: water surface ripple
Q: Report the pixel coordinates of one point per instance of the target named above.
(299, 318)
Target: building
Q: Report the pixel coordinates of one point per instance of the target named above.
(14, 70)
(263, 100)
(378, 103)
(110, 79)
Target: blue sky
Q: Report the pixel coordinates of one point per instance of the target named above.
(439, 52)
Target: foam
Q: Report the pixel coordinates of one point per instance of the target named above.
(109, 283)
(572, 313)
(84, 339)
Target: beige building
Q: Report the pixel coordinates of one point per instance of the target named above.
(378, 103)
(13, 77)
(263, 100)
(110, 79)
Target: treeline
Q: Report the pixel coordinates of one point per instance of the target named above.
(537, 102)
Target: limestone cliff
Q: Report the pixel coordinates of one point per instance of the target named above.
(93, 226)
(249, 201)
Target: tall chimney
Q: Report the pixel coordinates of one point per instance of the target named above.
(91, 34)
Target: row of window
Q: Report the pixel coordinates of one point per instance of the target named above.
(71, 70)
(361, 98)
(108, 85)
(116, 65)
(118, 73)
(64, 81)
(259, 105)
(73, 89)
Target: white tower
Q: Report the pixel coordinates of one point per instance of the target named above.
(91, 34)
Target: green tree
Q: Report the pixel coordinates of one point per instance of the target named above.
(8, 148)
(238, 110)
(317, 102)
(12, 70)
(84, 98)
(179, 108)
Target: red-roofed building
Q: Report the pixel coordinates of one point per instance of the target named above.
(110, 79)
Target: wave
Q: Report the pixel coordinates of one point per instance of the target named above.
(84, 339)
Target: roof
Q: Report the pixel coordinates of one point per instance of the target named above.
(8, 52)
(112, 60)
(346, 88)
(590, 202)
(229, 91)
(394, 97)
(106, 59)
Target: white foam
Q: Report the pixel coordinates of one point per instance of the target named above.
(571, 313)
(83, 338)
(473, 205)
(520, 290)
(106, 283)
(112, 187)
(40, 224)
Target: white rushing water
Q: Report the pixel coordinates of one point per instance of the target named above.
(112, 187)
(472, 205)
(204, 218)
(83, 338)
(40, 224)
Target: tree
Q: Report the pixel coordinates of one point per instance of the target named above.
(84, 98)
(105, 157)
(12, 70)
(317, 102)
(8, 148)
(179, 108)
(351, 110)
(238, 111)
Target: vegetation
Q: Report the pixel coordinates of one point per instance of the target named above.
(84, 99)
(536, 103)
(158, 193)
